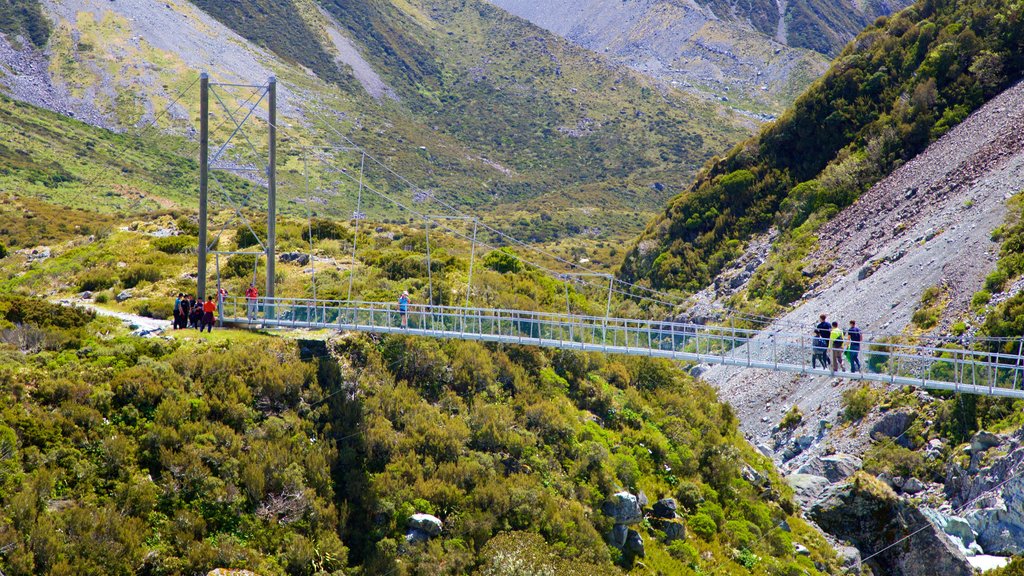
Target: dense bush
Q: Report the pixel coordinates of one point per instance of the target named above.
(857, 402)
(135, 275)
(176, 244)
(95, 280)
(324, 229)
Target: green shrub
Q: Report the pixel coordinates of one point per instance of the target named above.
(980, 299)
(3, 251)
(503, 260)
(95, 280)
(702, 525)
(857, 402)
(887, 456)
(996, 281)
(324, 229)
(244, 235)
(102, 298)
(792, 419)
(140, 273)
(157, 308)
(176, 244)
(188, 226)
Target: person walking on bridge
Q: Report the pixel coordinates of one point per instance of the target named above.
(836, 342)
(251, 297)
(819, 346)
(403, 308)
(853, 352)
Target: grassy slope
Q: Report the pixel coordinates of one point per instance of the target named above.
(897, 87)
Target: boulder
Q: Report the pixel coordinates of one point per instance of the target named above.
(805, 441)
(835, 468)
(894, 424)
(808, 487)
(666, 508)
(983, 441)
(415, 536)
(634, 543)
(123, 295)
(642, 499)
(958, 529)
(673, 529)
(913, 486)
(850, 558)
(801, 550)
(427, 523)
(86, 295)
(624, 508)
(295, 258)
(617, 537)
(869, 515)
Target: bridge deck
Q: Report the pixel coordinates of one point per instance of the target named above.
(968, 371)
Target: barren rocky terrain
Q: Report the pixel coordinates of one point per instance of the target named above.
(928, 224)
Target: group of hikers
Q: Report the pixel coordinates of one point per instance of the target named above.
(831, 343)
(190, 312)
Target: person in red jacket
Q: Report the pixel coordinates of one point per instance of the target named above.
(208, 309)
(251, 297)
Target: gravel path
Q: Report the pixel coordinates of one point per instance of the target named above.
(927, 224)
(140, 325)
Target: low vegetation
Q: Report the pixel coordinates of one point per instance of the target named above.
(123, 454)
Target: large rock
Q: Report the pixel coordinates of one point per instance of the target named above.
(958, 529)
(868, 514)
(123, 295)
(665, 508)
(674, 529)
(617, 537)
(635, 544)
(835, 468)
(983, 441)
(624, 508)
(808, 487)
(894, 424)
(429, 524)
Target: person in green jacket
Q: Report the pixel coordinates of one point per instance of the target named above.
(836, 342)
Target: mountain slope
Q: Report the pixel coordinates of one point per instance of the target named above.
(487, 111)
(744, 52)
(899, 86)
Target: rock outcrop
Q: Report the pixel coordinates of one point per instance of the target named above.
(895, 537)
(835, 468)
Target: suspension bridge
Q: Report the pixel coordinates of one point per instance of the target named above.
(775, 346)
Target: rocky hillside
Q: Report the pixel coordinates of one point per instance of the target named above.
(756, 56)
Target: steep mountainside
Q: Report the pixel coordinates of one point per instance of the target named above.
(744, 52)
(482, 108)
(903, 83)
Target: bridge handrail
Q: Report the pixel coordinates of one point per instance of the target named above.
(734, 336)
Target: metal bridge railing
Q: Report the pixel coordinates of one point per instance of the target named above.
(970, 371)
